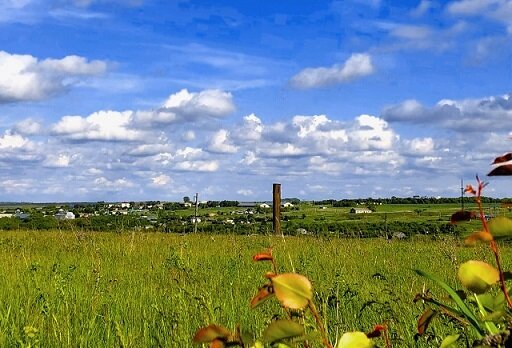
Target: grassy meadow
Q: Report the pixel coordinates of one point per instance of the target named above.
(63, 289)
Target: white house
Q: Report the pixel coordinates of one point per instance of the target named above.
(360, 211)
(287, 205)
(264, 205)
(61, 215)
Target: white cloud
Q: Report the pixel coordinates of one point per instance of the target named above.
(357, 66)
(370, 132)
(197, 166)
(161, 180)
(149, 149)
(28, 127)
(250, 130)
(471, 7)
(10, 141)
(498, 10)
(467, 115)
(25, 78)
(420, 146)
(61, 160)
(185, 106)
(103, 183)
(220, 143)
(423, 7)
(189, 135)
(249, 158)
(99, 126)
(411, 32)
(245, 192)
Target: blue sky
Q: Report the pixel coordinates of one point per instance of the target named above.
(155, 100)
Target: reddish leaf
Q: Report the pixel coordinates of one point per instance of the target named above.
(470, 189)
(263, 294)
(263, 257)
(211, 333)
(503, 170)
(376, 331)
(462, 215)
(217, 344)
(505, 158)
(270, 275)
(483, 236)
(425, 320)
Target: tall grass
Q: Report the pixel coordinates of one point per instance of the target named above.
(62, 289)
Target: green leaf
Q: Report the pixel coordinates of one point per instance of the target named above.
(282, 329)
(495, 317)
(477, 276)
(292, 290)
(449, 341)
(354, 340)
(456, 298)
(500, 227)
(492, 302)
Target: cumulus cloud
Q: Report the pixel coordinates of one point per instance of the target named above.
(185, 106)
(245, 192)
(28, 127)
(144, 150)
(61, 160)
(25, 78)
(419, 146)
(103, 183)
(250, 130)
(468, 115)
(197, 166)
(220, 143)
(99, 126)
(10, 141)
(161, 180)
(357, 66)
(498, 10)
(370, 132)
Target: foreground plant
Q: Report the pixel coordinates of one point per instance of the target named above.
(484, 312)
(294, 293)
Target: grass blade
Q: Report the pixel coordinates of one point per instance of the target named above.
(455, 297)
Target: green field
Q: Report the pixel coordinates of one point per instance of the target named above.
(155, 289)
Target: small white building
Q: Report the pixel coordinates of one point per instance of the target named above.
(264, 206)
(62, 215)
(360, 211)
(287, 205)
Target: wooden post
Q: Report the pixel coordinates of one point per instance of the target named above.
(276, 194)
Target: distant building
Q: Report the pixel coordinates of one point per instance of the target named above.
(63, 215)
(360, 211)
(287, 205)
(21, 215)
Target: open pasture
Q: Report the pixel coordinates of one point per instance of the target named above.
(155, 289)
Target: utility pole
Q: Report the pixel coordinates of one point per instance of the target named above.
(276, 208)
(195, 212)
(462, 194)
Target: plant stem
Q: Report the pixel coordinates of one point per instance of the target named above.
(319, 324)
(492, 243)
